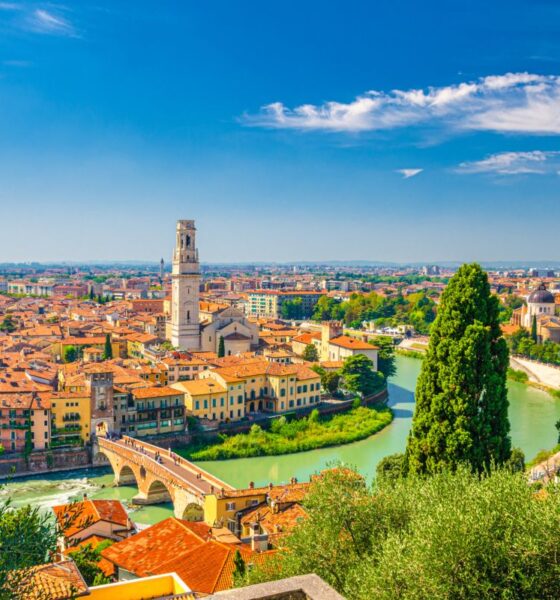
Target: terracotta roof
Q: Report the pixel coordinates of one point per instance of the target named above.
(144, 552)
(209, 568)
(307, 338)
(271, 521)
(55, 581)
(154, 392)
(345, 341)
(79, 515)
(199, 387)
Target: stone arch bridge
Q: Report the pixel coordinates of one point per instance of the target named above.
(160, 475)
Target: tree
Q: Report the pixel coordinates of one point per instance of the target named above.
(91, 293)
(70, 354)
(239, 568)
(27, 538)
(534, 335)
(391, 467)
(310, 353)
(386, 355)
(330, 380)
(87, 560)
(452, 535)
(292, 309)
(108, 350)
(8, 325)
(328, 309)
(359, 377)
(221, 347)
(461, 394)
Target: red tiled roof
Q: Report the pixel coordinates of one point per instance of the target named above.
(80, 515)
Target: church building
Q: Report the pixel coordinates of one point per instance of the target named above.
(199, 326)
(540, 306)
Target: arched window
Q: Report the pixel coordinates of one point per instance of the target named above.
(188, 316)
(188, 241)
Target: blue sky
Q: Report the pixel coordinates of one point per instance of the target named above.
(398, 131)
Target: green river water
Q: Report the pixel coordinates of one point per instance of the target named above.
(532, 415)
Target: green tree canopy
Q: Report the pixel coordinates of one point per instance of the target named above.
(108, 349)
(386, 355)
(292, 309)
(70, 354)
(8, 324)
(87, 560)
(27, 538)
(310, 353)
(452, 535)
(359, 377)
(461, 394)
(221, 347)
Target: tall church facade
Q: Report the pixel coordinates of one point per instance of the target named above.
(185, 289)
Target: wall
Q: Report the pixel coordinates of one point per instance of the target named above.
(40, 461)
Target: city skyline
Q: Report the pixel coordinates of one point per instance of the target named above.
(372, 134)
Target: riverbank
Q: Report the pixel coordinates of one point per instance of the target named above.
(523, 378)
(289, 437)
(541, 374)
(418, 354)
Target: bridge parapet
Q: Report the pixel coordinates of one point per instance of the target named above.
(155, 464)
(183, 462)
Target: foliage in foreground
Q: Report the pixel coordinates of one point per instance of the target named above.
(443, 537)
(87, 560)
(286, 437)
(27, 538)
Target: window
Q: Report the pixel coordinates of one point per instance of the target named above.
(197, 405)
(230, 505)
(282, 392)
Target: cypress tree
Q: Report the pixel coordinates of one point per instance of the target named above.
(221, 347)
(461, 395)
(534, 336)
(108, 350)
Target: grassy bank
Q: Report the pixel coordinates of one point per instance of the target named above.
(519, 376)
(542, 455)
(522, 377)
(410, 353)
(287, 437)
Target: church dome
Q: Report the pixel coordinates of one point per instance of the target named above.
(541, 296)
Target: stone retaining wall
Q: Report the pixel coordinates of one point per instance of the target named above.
(45, 461)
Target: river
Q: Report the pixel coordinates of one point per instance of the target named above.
(532, 414)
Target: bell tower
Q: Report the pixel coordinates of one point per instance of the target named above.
(185, 276)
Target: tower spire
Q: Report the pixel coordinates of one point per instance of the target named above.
(185, 277)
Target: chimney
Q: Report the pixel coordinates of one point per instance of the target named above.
(85, 497)
(259, 543)
(251, 485)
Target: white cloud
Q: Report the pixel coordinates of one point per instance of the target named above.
(537, 162)
(408, 173)
(43, 21)
(513, 102)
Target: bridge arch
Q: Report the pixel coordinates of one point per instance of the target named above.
(158, 492)
(193, 512)
(127, 476)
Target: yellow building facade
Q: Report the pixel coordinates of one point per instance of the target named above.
(71, 418)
